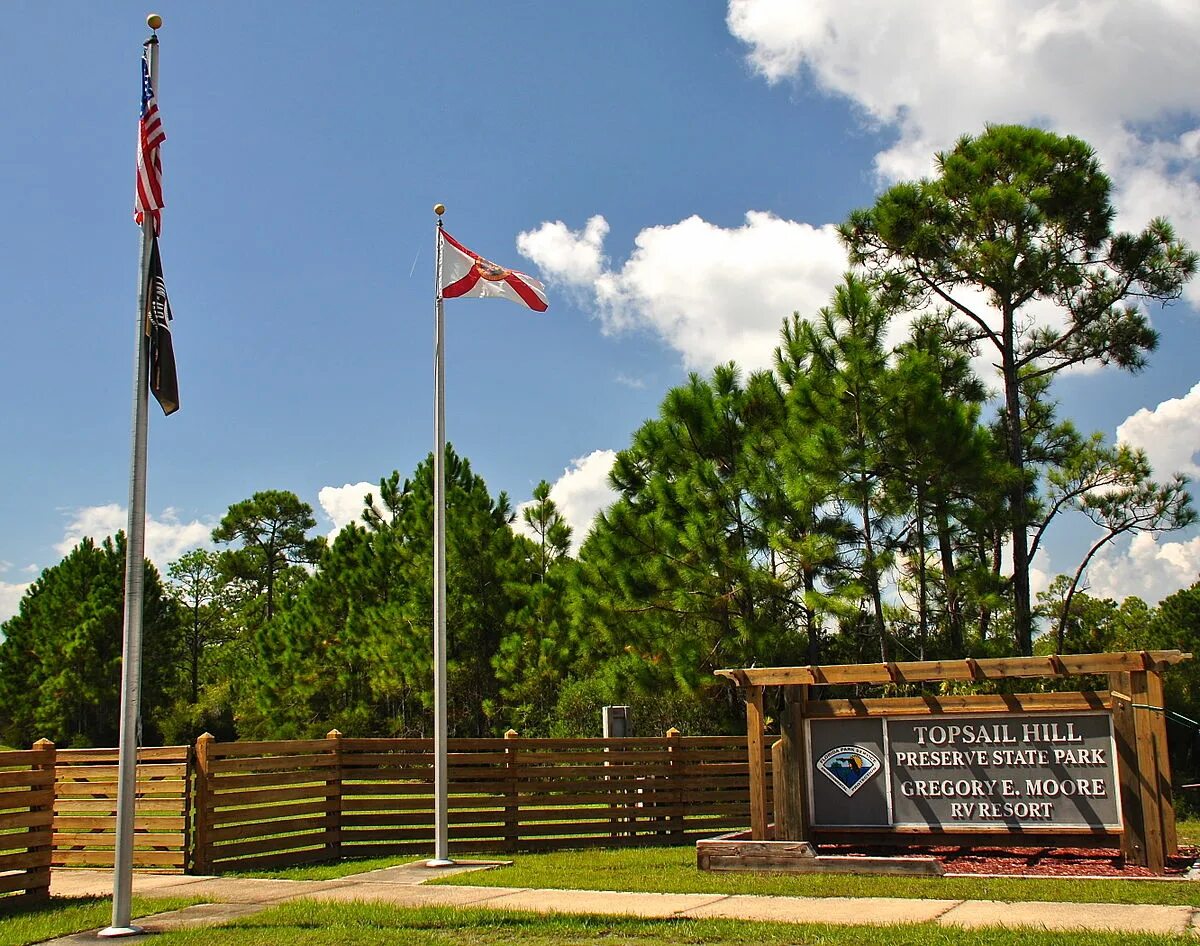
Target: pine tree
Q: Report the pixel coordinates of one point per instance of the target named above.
(1025, 217)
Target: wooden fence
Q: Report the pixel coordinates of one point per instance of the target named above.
(26, 800)
(273, 804)
(85, 807)
(247, 805)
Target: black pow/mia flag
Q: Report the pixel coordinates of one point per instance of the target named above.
(163, 383)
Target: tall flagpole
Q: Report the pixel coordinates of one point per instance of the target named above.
(135, 557)
(441, 843)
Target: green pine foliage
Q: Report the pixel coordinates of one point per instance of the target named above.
(60, 657)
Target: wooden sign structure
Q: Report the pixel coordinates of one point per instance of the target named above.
(1082, 768)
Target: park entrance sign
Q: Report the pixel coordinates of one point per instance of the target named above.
(1077, 768)
(964, 772)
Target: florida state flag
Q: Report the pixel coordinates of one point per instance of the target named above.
(469, 275)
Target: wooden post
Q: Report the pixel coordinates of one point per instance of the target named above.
(755, 747)
(40, 889)
(675, 783)
(1166, 794)
(789, 769)
(202, 855)
(1143, 722)
(1133, 834)
(333, 799)
(512, 799)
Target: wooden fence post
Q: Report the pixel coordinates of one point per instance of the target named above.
(41, 888)
(1166, 795)
(333, 800)
(675, 782)
(512, 801)
(755, 725)
(1147, 766)
(202, 855)
(789, 768)
(1133, 840)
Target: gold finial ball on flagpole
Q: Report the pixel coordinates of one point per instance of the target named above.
(154, 21)
(439, 209)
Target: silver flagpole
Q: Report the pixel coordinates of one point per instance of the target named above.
(441, 843)
(135, 556)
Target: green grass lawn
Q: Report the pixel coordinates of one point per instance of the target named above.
(673, 870)
(312, 924)
(1188, 831)
(21, 926)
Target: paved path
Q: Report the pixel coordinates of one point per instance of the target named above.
(233, 897)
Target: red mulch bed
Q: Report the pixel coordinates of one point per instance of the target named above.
(1029, 861)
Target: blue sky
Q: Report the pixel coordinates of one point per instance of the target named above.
(670, 170)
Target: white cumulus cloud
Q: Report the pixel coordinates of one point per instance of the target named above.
(344, 504)
(166, 537)
(576, 257)
(1148, 567)
(1169, 433)
(11, 594)
(1120, 75)
(580, 493)
(712, 293)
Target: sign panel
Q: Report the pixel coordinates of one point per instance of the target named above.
(1017, 771)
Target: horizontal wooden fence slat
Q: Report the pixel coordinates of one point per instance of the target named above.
(26, 834)
(270, 845)
(264, 796)
(160, 860)
(24, 778)
(271, 861)
(267, 813)
(141, 822)
(227, 783)
(23, 758)
(37, 879)
(270, 763)
(230, 750)
(264, 829)
(146, 771)
(109, 756)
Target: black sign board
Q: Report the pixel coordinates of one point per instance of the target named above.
(1021, 770)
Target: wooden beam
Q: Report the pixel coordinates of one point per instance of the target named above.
(923, 671)
(968, 703)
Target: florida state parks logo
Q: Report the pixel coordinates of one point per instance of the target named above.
(849, 767)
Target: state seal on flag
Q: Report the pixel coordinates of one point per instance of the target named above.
(490, 271)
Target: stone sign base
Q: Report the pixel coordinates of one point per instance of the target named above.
(738, 851)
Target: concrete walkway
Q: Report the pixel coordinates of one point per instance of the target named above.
(231, 898)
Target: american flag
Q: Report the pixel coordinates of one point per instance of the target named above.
(148, 198)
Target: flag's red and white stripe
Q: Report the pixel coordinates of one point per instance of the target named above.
(469, 275)
(148, 197)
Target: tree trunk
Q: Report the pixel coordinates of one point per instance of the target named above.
(871, 571)
(1018, 507)
(950, 580)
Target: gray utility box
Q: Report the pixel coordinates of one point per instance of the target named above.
(616, 722)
